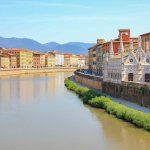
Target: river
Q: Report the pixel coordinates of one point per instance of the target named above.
(38, 113)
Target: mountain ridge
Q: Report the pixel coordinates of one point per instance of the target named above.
(73, 47)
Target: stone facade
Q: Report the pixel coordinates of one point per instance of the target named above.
(133, 66)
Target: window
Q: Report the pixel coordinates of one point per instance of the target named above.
(131, 60)
(147, 77)
(130, 77)
(147, 60)
(139, 59)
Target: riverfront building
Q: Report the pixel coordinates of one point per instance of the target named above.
(24, 57)
(92, 58)
(49, 60)
(145, 41)
(74, 60)
(96, 57)
(4, 61)
(82, 61)
(59, 57)
(122, 59)
(67, 58)
(38, 59)
(96, 52)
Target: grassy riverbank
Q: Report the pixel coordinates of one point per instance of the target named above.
(140, 119)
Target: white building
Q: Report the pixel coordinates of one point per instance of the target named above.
(133, 66)
(59, 57)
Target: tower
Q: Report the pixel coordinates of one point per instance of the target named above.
(111, 50)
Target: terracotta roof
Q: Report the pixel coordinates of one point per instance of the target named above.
(65, 53)
(145, 34)
(38, 53)
(55, 52)
(18, 49)
(5, 55)
(49, 54)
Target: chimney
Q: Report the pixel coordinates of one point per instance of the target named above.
(100, 41)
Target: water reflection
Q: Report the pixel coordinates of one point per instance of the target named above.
(30, 87)
(38, 112)
(120, 133)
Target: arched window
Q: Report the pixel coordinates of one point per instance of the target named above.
(130, 76)
(147, 77)
(139, 59)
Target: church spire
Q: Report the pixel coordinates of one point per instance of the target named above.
(121, 48)
(139, 42)
(111, 50)
(147, 47)
(131, 49)
(107, 56)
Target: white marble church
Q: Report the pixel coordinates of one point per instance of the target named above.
(133, 66)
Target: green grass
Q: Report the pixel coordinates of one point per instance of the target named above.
(138, 118)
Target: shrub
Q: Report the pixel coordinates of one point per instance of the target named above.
(140, 119)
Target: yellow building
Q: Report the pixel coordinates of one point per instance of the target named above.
(83, 61)
(24, 57)
(29, 59)
(74, 60)
(49, 60)
(4, 61)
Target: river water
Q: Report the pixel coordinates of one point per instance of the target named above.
(38, 113)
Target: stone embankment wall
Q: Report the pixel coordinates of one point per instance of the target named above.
(89, 80)
(134, 92)
(33, 71)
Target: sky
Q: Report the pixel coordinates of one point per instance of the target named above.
(72, 20)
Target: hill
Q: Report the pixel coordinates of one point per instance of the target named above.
(73, 47)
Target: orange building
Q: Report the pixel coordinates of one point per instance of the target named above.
(38, 59)
(67, 59)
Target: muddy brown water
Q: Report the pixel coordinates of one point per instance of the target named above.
(38, 113)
